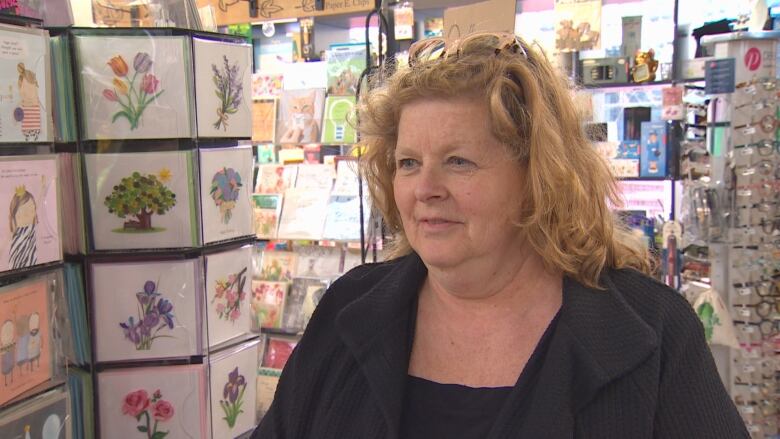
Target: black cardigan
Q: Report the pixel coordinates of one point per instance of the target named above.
(628, 362)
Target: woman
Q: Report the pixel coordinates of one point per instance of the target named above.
(515, 307)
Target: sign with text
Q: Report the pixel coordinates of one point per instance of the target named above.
(490, 16)
(237, 11)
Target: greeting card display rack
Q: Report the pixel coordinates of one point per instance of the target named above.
(35, 338)
(162, 176)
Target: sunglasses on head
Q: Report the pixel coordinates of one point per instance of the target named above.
(439, 48)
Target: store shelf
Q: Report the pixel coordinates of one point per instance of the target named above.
(627, 85)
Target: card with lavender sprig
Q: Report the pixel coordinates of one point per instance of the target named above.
(223, 84)
(232, 373)
(146, 310)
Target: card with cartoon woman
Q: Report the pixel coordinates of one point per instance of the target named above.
(25, 101)
(29, 222)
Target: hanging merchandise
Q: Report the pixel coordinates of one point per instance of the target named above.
(715, 317)
(403, 18)
(742, 141)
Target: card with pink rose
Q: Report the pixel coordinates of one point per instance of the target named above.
(232, 375)
(135, 87)
(163, 402)
(228, 284)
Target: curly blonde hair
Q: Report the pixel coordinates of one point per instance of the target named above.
(566, 216)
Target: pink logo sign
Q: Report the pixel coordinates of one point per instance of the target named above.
(753, 59)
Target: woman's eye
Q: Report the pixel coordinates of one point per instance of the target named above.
(459, 161)
(406, 163)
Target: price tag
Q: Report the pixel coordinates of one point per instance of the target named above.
(744, 312)
(745, 291)
(748, 368)
(748, 329)
(747, 409)
(748, 150)
(749, 130)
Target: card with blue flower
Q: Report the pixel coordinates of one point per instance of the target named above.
(232, 374)
(226, 193)
(146, 310)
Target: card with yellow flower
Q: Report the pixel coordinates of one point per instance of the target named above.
(142, 200)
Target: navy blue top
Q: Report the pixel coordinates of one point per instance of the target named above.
(453, 411)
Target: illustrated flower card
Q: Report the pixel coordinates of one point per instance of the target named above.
(29, 219)
(134, 87)
(267, 307)
(228, 283)
(277, 266)
(25, 343)
(142, 200)
(233, 390)
(267, 208)
(164, 402)
(46, 416)
(226, 189)
(146, 310)
(25, 85)
(223, 81)
(275, 179)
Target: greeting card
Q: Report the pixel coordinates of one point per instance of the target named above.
(25, 343)
(343, 217)
(225, 187)
(134, 87)
(154, 402)
(222, 86)
(346, 63)
(29, 223)
(233, 391)
(315, 177)
(266, 153)
(46, 416)
(266, 85)
(267, 208)
(267, 381)
(264, 120)
(267, 307)
(303, 214)
(277, 266)
(278, 352)
(25, 85)
(142, 200)
(305, 294)
(146, 310)
(227, 294)
(275, 179)
(337, 128)
(300, 115)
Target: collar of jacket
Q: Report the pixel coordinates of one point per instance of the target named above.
(598, 339)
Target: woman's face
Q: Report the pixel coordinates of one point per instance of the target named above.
(457, 189)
